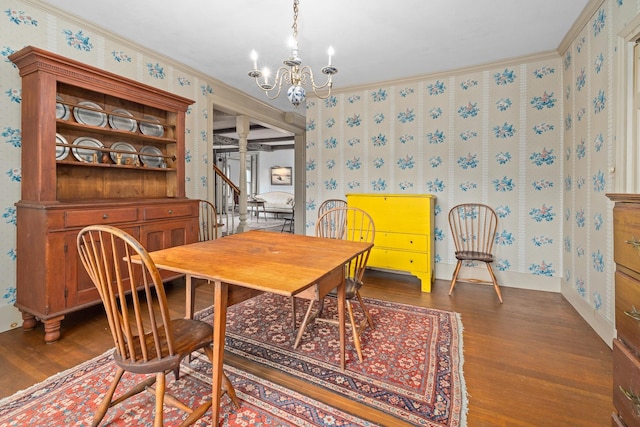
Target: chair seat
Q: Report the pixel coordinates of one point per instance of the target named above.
(474, 256)
(351, 288)
(188, 336)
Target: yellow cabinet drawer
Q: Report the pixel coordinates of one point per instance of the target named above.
(398, 260)
(107, 215)
(401, 213)
(169, 211)
(409, 242)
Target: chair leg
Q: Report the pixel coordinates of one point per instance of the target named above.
(226, 387)
(495, 282)
(106, 400)
(364, 309)
(293, 312)
(303, 325)
(455, 276)
(354, 330)
(160, 388)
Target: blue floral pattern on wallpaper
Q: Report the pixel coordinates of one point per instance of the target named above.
(405, 144)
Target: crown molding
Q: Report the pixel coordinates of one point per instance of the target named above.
(579, 24)
(536, 57)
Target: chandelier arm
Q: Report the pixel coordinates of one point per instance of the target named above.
(282, 76)
(307, 72)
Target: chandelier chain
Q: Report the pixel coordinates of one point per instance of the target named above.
(295, 19)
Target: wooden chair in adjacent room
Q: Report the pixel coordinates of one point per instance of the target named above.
(348, 224)
(473, 228)
(331, 204)
(147, 340)
(208, 221)
(289, 218)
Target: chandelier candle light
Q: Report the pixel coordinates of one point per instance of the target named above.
(295, 75)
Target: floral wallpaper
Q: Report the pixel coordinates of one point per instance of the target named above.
(492, 136)
(533, 139)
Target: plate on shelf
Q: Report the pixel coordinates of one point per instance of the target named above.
(61, 152)
(93, 115)
(82, 152)
(62, 111)
(152, 161)
(122, 123)
(151, 126)
(124, 146)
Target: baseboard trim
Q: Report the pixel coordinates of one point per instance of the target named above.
(603, 327)
(10, 318)
(508, 279)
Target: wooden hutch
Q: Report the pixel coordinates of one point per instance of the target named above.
(97, 148)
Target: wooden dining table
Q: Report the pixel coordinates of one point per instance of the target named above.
(283, 264)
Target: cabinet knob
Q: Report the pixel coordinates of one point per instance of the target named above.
(105, 216)
(170, 211)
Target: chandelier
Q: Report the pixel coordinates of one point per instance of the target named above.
(293, 74)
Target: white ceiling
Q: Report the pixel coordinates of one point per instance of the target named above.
(374, 41)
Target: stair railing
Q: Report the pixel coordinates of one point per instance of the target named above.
(227, 203)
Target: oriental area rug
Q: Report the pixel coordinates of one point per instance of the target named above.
(413, 358)
(71, 397)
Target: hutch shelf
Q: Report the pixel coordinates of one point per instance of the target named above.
(97, 148)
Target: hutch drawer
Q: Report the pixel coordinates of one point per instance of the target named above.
(169, 211)
(110, 215)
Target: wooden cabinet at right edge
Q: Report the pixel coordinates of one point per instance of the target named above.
(626, 347)
(404, 238)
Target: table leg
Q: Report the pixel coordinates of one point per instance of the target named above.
(342, 294)
(189, 297)
(219, 326)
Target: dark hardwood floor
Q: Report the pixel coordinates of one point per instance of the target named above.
(532, 361)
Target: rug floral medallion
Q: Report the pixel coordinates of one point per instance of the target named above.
(412, 366)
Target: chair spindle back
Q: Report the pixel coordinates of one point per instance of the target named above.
(473, 227)
(132, 293)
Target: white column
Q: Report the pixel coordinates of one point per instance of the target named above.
(242, 128)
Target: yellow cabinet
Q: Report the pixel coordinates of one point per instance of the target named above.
(404, 232)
